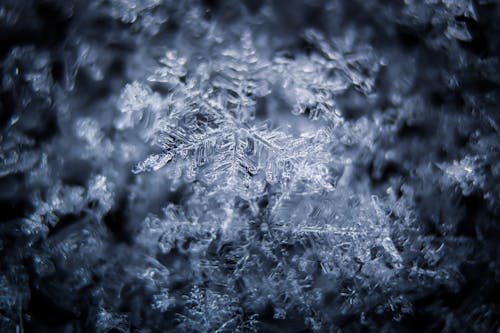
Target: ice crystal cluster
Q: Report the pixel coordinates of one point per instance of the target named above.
(249, 166)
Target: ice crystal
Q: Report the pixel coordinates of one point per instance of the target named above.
(210, 312)
(254, 166)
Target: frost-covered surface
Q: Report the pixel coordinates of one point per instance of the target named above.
(263, 166)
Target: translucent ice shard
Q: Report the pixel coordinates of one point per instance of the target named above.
(153, 162)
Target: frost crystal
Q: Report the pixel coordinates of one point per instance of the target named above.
(249, 166)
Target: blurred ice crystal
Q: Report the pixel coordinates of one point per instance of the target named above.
(100, 190)
(459, 31)
(107, 321)
(11, 159)
(136, 99)
(465, 173)
(172, 71)
(128, 11)
(313, 83)
(162, 301)
(88, 130)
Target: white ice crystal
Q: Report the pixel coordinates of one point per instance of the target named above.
(252, 166)
(465, 173)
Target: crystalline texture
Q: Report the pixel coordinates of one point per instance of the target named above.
(249, 166)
